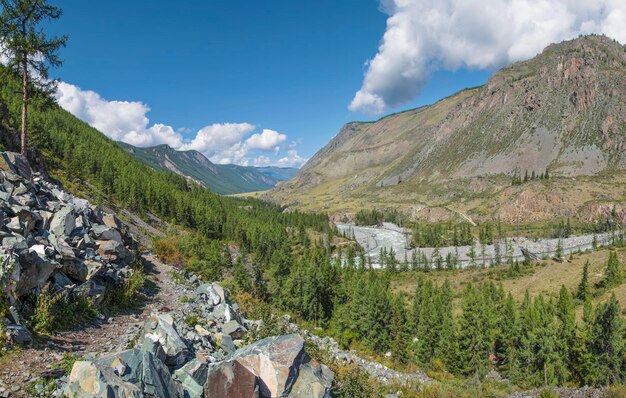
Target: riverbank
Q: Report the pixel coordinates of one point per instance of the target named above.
(391, 236)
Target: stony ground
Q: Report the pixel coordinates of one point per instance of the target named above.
(20, 368)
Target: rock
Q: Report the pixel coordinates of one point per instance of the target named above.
(231, 379)
(61, 280)
(314, 381)
(207, 292)
(15, 163)
(226, 312)
(113, 248)
(18, 334)
(31, 270)
(202, 331)
(102, 232)
(192, 377)
(234, 329)
(111, 221)
(160, 327)
(89, 380)
(92, 290)
(275, 360)
(75, 269)
(225, 342)
(63, 222)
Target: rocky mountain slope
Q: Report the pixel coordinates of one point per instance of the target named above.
(563, 111)
(220, 178)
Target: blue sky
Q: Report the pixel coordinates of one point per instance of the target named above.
(283, 71)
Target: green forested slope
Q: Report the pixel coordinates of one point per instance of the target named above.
(73, 150)
(219, 178)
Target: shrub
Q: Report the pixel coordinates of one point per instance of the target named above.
(54, 312)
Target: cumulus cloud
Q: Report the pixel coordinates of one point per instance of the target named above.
(121, 120)
(222, 143)
(291, 160)
(267, 140)
(423, 36)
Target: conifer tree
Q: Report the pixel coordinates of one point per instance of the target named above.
(473, 334)
(583, 291)
(566, 334)
(399, 331)
(29, 51)
(607, 343)
(613, 275)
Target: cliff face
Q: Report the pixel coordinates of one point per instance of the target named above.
(562, 111)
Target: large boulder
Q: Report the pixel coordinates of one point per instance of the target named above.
(212, 293)
(63, 222)
(102, 232)
(231, 379)
(113, 250)
(275, 361)
(18, 334)
(134, 373)
(15, 163)
(160, 327)
(314, 381)
(89, 380)
(31, 270)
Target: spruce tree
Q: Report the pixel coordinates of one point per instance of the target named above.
(583, 290)
(607, 342)
(473, 334)
(613, 275)
(566, 334)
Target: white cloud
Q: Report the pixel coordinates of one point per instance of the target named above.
(425, 35)
(267, 140)
(291, 160)
(127, 121)
(121, 120)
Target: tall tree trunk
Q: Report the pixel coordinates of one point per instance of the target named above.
(24, 104)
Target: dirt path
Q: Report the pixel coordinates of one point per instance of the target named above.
(18, 369)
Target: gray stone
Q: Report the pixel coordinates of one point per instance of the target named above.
(92, 290)
(31, 270)
(19, 334)
(15, 163)
(63, 222)
(234, 329)
(61, 279)
(160, 327)
(207, 292)
(113, 248)
(89, 380)
(192, 377)
(102, 232)
(314, 381)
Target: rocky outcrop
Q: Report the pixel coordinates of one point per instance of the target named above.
(52, 240)
(179, 358)
(272, 366)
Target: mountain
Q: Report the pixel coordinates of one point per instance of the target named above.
(562, 112)
(223, 179)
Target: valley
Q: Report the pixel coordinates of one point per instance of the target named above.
(473, 247)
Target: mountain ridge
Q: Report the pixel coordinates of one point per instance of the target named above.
(222, 179)
(562, 111)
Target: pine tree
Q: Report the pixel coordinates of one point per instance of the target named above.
(583, 291)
